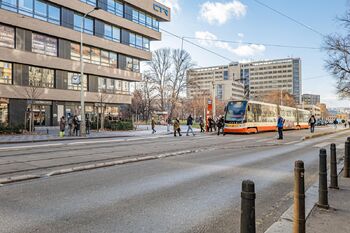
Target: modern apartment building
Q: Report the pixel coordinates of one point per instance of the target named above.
(40, 55)
(310, 99)
(201, 82)
(262, 77)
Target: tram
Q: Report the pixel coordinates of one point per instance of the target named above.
(253, 117)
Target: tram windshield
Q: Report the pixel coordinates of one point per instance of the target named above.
(235, 111)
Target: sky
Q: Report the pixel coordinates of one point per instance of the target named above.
(244, 21)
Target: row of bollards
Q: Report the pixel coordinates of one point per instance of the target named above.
(248, 191)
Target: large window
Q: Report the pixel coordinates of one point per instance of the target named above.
(74, 81)
(112, 33)
(44, 44)
(7, 36)
(115, 7)
(113, 86)
(5, 73)
(138, 41)
(94, 55)
(91, 2)
(132, 64)
(34, 8)
(144, 19)
(41, 77)
(88, 25)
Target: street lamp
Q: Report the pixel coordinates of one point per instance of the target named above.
(82, 101)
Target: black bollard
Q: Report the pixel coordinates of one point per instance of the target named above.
(299, 198)
(248, 207)
(346, 160)
(348, 139)
(334, 173)
(323, 189)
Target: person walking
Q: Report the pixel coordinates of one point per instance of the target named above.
(201, 124)
(220, 124)
(153, 124)
(177, 127)
(62, 126)
(312, 122)
(168, 121)
(88, 125)
(280, 123)
(70, 125)
(189, 125)
(335, 122)
(210, 124)
(75, 125)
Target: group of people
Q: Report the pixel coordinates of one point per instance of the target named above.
(73, 123)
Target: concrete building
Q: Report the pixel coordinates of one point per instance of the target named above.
(314, 110)
(310, 99)
(225, 78)
(262, 77)
(40, 50)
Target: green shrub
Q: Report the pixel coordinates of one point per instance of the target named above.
(11, 129)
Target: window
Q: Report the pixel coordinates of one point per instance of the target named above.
(34, 8)
(136, 65)
(5, 73)
(75, 51)
(129, 63)
(4, 112)
(142, 18)
(7, 36)
(113, 59)
(132, 39)
(88, 24)
(118, 86)
(115, 7)
(126, 87)
(74, 81)
(110, 85)
(102, 85)
(104, 58)
(44, 44)
(112, 33)
(96, 56)
(87, 54)
(135, 16)
(146, 43)
(139, 42)
(91, 2)
(41, 77)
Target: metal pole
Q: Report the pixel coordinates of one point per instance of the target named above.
(214, 97)
(346, 160)
(323, 189)
(248, 207)
(334, 174)
(182, 43)
(82, 92)
(299, 198)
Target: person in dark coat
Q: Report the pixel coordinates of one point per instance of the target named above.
(312, 123)
(62, 126)
(201, 124)
(220, 124)
(280, 123)
(189, 125)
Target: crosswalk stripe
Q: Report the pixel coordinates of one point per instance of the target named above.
(322, 145)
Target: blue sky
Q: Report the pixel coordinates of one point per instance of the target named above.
(247, 21)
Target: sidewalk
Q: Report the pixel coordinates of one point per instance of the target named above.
(336, 219)
(52, 134)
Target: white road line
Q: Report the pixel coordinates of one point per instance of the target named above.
(94, 142)
(264, 140)
(31, 146)
(322, 145)
(288, 143)
(340, 146)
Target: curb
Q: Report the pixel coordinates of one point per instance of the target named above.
(321, 134)
(95, 166)
(285, 222)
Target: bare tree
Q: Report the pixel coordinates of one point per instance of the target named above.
(101, 99)
(337, 47)
(32, 94)
(159, 70)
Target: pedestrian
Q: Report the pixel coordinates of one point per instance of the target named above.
(189, 125)
(201, 124)
(177, 127)
(153, 125)
(335, 122)
(75, 125)
(70, 124)
(312, 122)
(88, 125)
(220, 124)
(168, 121)
(210, 125)
(62, 126)
(280, 123)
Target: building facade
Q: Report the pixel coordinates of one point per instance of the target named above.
(262, 77)
(225, 79)
(311, 99)
(40, 55)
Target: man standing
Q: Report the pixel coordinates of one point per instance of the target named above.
(280, 123)
(62, 126)
(201, 124)
(312, 122)
(153, 124)
(189, 125)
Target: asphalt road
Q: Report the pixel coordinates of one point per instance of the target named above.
(194, 192)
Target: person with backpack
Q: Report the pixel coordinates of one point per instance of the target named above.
(280, 123)
(189, 125)
(312, 122)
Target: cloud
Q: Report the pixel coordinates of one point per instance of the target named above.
(208, 39)
(241, 35)
(173, 4)
(220, 13)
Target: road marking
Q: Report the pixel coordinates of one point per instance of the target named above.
(31, 146)
(340, 146)
(292, 142)
(322, 145)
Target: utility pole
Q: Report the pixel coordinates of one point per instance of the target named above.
(214, 97)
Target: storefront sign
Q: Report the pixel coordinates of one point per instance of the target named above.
(39, 102)
(160, 9)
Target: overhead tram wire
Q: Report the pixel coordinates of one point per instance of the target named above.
(201, 47)
(290, 18)
(251, 43)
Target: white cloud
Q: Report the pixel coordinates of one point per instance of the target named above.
(208, 39)
(220, 13)
(173, 4)
(240, 35)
